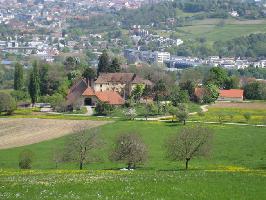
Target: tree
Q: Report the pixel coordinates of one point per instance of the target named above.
(160, 91)
(178, 96)
(18, 77)
(44, 80)
(7, 103)
(188, 86)
(210, 93)
(34, 84)
(25, 159)
(138, 92)
(115, 66)
(104, 62)
(217, 76)
(130, 149)
(172, 111)
(255, 90)
(89, 74)
(182, 113)
(189, 143)
(79, 148)
(71, 63)
(150, 110)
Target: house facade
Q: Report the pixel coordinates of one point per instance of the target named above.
(123, 83)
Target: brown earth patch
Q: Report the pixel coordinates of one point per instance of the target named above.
(25, 131)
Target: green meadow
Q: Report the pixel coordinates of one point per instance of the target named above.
(232, 146)
(99, 184)
(221, 30)
(236, 168)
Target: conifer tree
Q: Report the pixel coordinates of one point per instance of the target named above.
(103, 63)
(18, 77)
(34, 84)
(115, 66)
(44, 80)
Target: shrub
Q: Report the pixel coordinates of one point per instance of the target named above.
(20, 95)
(247, 116)
(201, 113)
(103, 109)
(221, 117)
(130, 113)
(25, 159)
(7, 103)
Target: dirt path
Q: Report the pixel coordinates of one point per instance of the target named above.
(21, 132)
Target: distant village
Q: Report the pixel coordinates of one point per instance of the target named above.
(43, 24)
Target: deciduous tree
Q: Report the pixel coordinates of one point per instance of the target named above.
(81, 145)
(130, 149)
(189, 143)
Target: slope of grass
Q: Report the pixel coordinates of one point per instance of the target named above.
(233, 146)
(70, 185)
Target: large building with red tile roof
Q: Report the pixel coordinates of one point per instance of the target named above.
(81, 94)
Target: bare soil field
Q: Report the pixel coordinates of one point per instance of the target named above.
(248, 105)
(21, 132)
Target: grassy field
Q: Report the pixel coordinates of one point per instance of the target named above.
(212, 31)
(234, 112)
(233, 146)
(236, 169)
(68, 185)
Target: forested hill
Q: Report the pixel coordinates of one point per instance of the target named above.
(191, 9)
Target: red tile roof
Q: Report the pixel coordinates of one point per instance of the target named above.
(110, 97)
(233, 93)
(88, 92)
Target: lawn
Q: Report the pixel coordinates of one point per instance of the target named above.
(99, 184)
(233, 146)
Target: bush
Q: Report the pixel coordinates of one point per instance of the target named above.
(58, 102)
(130, 113)
(7, 103)
(103, 109)
(25, 159)
(247, 116)
(201, 113)
(19, 95)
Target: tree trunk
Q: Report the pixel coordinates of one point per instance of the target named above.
(81, 165)
(187, 160)
(184, 122)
